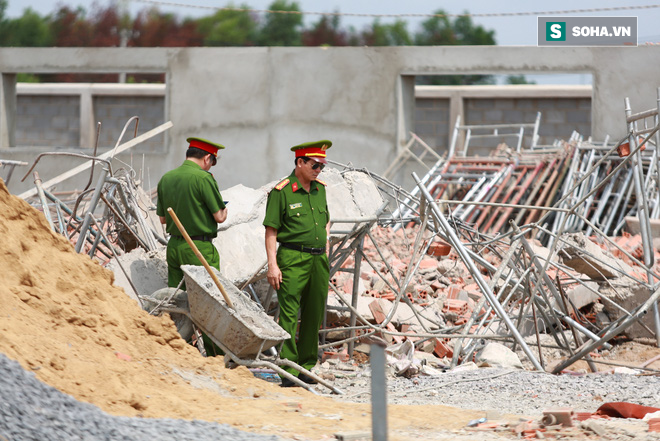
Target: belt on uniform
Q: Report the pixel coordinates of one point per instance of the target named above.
(310, 250)
(203, 237)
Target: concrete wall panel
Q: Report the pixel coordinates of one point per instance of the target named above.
(260, 101)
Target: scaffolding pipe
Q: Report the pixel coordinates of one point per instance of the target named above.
(458, 246)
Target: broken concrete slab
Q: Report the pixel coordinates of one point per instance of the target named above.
(586, 257)
(497, 355)
(632, 224)
(147, 271)
(582, 295)
(240, 240)
(629, 295)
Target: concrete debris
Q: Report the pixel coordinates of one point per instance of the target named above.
(486, 260)
(584, 256)
(497, 355)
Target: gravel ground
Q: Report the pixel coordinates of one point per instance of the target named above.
(503, 392)
(32, 410)
(506, 390)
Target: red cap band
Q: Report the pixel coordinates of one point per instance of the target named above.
(310, 151)
(204, 146)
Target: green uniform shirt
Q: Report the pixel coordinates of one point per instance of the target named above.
(298, 216)
(194, 196)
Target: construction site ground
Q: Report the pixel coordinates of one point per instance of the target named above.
(68, 327)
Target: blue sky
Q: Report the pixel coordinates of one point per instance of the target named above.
(509, 30)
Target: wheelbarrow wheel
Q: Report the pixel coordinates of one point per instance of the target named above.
(179, 299)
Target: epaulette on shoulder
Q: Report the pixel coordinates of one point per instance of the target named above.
(322, 183)
(282, 184)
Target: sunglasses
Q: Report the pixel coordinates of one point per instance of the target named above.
(318, 165)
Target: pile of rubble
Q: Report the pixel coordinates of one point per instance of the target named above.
(424, 266)
(490, 259)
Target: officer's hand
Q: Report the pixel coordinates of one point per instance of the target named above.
(274, 276)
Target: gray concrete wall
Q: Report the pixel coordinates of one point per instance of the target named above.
(564, 109)
(260, 101)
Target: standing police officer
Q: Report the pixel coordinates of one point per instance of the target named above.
(193, 194)
(297, 217)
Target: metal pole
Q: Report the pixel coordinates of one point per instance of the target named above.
(44, 202)
(92, 206)
(356, 287)
(378, 392)
(460, 248)
(590, 346)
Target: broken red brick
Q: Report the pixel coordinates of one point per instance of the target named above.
(342, 356)
(377, 311)
(439, 248)
(459, 307)
(442, 348)
(453, 291)
(428, 263)
(436, 285)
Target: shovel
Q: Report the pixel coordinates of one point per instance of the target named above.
(201, 258)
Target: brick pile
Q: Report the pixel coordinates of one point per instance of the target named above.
(441, 287)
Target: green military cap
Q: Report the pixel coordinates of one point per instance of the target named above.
(206, 145)
(314, 150)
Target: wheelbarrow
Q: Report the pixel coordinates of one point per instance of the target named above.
(246, 330)
(243, 332)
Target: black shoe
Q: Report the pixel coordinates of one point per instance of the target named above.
(307, 379)
(288, 383)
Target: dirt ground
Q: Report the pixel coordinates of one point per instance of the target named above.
(62, 319)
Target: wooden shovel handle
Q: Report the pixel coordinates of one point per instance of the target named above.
(201, 258)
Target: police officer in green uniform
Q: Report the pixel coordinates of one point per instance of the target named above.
(297, 218)
(193, 194)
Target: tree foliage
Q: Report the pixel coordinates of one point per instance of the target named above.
(282, 29)
(326, 32)
(395, 34)
(29, 30)
(234, 26)
(228, 28)
(441, 30)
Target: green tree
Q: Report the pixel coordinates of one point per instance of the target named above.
(441, 30)
(282, 29)
(228, 28)
(395, 34)
(30, 30)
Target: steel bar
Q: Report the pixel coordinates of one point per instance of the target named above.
(356, 284)
(74, 171)
(458, 245)
(44, 202)
(636, 315)
(92, 207)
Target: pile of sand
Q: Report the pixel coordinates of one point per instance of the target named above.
(62, 318)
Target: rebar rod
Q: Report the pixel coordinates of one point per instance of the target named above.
(42, 198)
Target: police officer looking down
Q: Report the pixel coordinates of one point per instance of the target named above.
(297, 218)
(192, 192)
